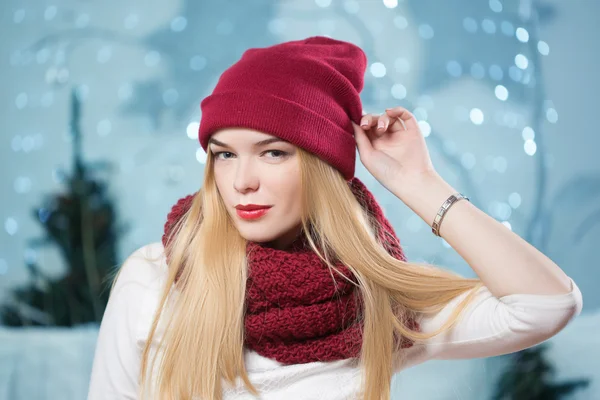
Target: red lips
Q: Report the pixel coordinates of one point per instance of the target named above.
(251, 211)
(251, 207)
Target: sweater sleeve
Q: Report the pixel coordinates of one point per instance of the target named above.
(117, 357)
(492, 326)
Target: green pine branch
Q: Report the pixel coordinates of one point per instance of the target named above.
(81, 223)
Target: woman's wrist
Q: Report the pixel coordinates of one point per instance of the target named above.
(424, 194)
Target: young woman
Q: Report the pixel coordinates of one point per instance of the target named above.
(282, 279)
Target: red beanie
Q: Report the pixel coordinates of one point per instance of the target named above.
(304, 91)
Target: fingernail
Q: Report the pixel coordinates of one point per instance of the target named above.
(380, 124)
(363, 122)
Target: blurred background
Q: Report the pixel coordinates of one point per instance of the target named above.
(100, 112)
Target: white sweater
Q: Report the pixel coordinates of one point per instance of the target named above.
(491, 326)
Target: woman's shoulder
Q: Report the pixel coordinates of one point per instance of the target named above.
(137, 290)
(126, 321)
(146, 267)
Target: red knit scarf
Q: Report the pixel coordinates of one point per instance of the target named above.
(294, 313)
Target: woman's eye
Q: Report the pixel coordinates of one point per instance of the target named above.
(217, 154)
(278, 153)
(274, 154)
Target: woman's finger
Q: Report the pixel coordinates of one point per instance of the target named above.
(409, 120)
(396, 124)
(362, 141)
(383, 123)
(368, 121)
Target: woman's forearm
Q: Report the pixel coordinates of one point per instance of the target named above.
(505, 262)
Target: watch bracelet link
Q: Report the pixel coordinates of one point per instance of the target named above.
(435, 227)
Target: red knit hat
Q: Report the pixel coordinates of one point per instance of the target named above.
(304, 91)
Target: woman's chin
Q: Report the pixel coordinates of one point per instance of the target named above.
(256, 236)
(277, 240)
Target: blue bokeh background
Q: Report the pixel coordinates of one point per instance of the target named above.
(505, 92)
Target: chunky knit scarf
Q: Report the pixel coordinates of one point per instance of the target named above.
(294, 312)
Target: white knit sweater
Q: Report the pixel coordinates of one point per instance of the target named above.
(490, 327)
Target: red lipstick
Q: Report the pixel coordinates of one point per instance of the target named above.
(251, 211)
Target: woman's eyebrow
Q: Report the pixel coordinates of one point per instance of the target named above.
(257, 144)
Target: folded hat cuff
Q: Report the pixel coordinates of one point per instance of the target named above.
(283, 118)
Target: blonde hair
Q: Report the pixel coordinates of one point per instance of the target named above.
(205, 336)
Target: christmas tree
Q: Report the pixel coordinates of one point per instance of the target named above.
(81, 222)
(530, 377)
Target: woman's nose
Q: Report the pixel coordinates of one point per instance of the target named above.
(245, 177)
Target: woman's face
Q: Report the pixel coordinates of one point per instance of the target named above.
(249, 170)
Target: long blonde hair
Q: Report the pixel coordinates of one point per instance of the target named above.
(205, 336)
